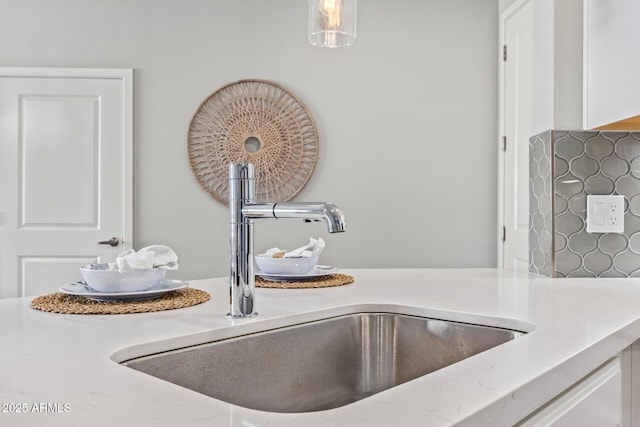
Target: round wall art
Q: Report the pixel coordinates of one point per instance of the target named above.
(259, 122)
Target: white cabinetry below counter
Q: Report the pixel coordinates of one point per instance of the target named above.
(595, 401)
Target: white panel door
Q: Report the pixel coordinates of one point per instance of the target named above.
(65, 169)
(517, 125)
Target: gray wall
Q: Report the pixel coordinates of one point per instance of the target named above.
(407, 117)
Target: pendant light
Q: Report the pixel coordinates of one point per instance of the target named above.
(332, 23)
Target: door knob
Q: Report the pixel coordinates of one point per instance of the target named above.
(114, 241)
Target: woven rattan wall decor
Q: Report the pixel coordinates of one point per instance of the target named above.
(259, 122)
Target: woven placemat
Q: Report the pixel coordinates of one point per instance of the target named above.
(71, 304)
(321, 282)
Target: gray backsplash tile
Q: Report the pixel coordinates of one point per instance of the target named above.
(565, 167)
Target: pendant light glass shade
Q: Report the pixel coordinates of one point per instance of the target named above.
(332, 23)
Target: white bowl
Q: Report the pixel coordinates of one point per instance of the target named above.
(115, 281)
(288, 266)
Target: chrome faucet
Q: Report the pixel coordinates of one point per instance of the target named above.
(243, 211)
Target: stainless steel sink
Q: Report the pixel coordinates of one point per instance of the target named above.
(322, 364)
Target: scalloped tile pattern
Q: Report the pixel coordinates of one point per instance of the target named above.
(583, 162)
(541, 260)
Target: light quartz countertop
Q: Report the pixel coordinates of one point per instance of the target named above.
(62, 369)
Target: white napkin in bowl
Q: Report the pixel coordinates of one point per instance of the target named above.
(313, 248)
(155, 256)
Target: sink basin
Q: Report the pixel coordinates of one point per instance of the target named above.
(322, 364)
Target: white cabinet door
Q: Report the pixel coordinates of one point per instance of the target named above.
(596, 401)
(611, 61)
(65, 169)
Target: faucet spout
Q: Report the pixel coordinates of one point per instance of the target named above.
(306, 211)
(243, 211)
(322, 211)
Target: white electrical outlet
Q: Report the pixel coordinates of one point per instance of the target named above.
(605, 214)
